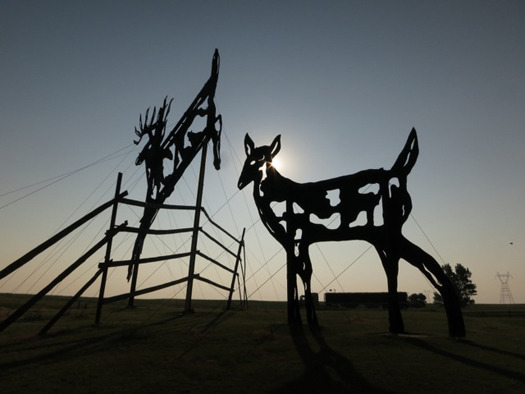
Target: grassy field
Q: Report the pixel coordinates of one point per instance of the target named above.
(154, 349)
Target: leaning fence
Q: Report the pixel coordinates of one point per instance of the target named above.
(238, 272)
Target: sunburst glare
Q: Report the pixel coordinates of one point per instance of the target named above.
(278, 163)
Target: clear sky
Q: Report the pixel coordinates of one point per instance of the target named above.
(343, 82)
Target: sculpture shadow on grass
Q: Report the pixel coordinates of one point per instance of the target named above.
(325, 369)
(471, 361)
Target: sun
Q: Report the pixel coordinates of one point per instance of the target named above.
(278, 163)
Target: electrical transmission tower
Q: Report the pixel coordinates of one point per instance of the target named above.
(505, 294)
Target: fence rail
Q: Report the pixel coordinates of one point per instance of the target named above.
(120, 198)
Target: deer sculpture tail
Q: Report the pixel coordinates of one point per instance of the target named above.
(408, 156)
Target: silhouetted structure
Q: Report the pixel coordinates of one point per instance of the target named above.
(369, 300)
(110, 263)
(309, 212)
(505, 296)
(185, 145)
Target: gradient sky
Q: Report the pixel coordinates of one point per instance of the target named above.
(343, 82)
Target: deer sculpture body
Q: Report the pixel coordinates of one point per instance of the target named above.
(309, 217)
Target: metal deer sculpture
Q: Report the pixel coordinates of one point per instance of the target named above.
(185, 145)
(296, 231)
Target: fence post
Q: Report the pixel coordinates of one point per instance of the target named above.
(237, 261)
(194, 239)
(107, 257)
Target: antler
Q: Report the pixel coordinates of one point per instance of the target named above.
(158, 124)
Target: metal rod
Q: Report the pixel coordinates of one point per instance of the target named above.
(145, 291)
(107, 257)
(65, 308)
(219, 243)
(202, 279)
(24, 308)
(237, 261)
(121, 263)
(156, 205)
(194, 239)
(54, 239)
(215, 262)
(158, 232)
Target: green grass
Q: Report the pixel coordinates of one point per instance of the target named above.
(154, 349)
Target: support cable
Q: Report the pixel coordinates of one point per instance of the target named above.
(56, 179)
(352, 263)
(427, 238)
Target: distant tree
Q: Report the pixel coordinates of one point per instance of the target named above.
(417, 300)
(465, 288)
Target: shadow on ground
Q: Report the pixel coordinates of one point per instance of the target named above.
(325, 369)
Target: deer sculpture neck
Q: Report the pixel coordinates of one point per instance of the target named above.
(371, 205)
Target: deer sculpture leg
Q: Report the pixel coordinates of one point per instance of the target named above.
(431, 269)
(305, 271)
(300, 265)
(294, 315)
(391, 266)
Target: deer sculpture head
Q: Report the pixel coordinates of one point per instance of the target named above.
(257, 160)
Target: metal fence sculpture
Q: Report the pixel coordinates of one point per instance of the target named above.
(307, 206)
(185, 144)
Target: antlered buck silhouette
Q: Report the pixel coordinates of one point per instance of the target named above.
(360, 195)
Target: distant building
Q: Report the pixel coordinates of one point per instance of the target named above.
(315, 299)
(369, 300)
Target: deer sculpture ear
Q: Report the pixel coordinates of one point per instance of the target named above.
(249, 146)
(276, 145)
